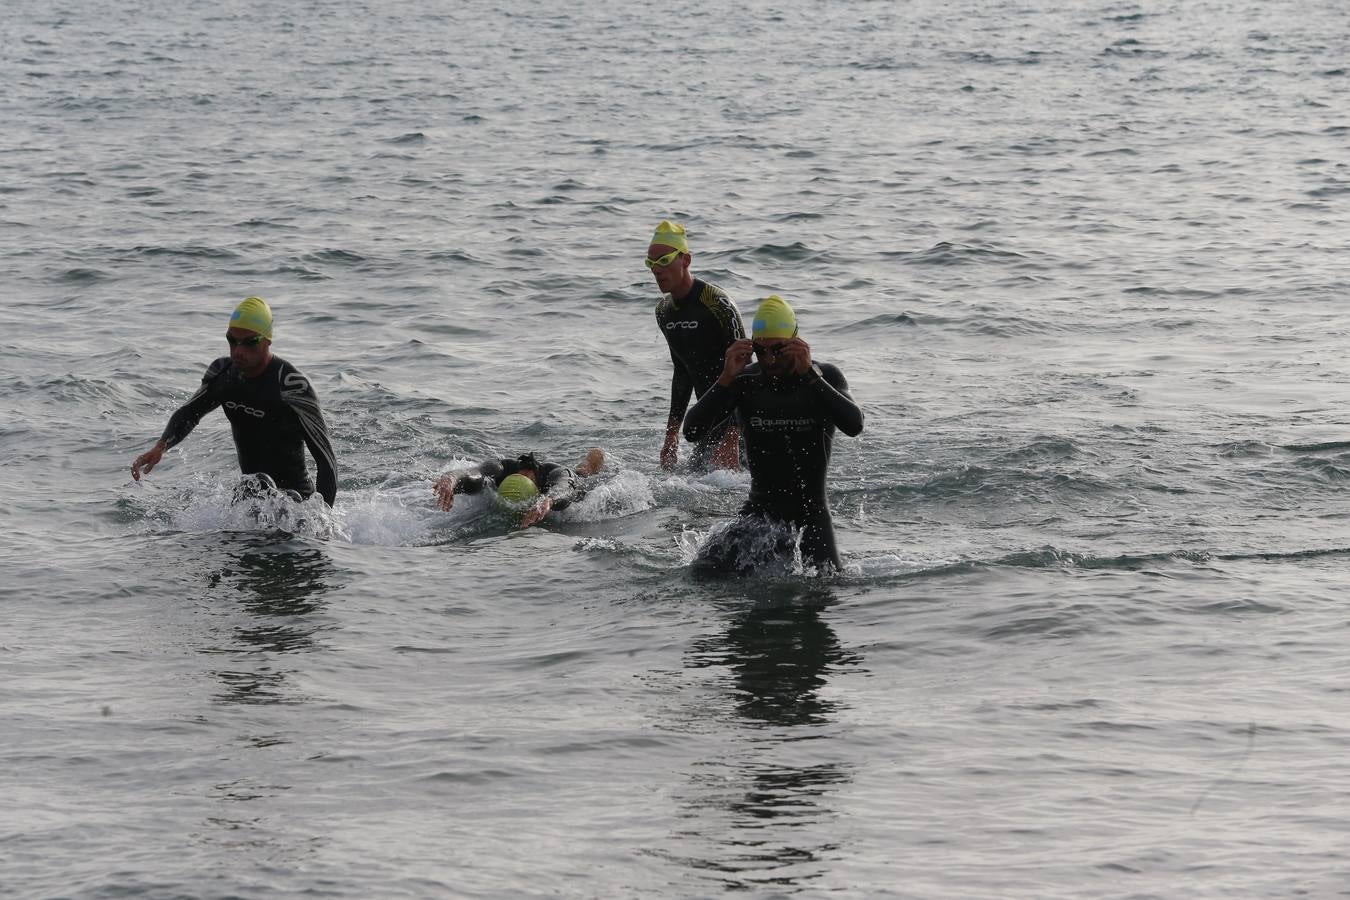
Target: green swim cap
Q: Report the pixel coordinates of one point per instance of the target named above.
(516, 488)
(254, 315)
(774, 319)
(671, 234)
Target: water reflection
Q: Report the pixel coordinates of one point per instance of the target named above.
(278, 590)
(766, 810)
(779, 651)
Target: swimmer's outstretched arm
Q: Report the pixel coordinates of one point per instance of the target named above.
(183, 420)
(448, 485)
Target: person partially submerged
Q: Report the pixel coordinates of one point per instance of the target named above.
(273, 411)
(789, 407)
(699, 322)
(544, 486)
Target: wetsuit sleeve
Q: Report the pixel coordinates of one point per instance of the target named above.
(680, 390)
(490, 471)
(681, 386)
(712, 409)
(730, 317)
(299, 395)
(832, 388)
(560, 484)
(186, 417)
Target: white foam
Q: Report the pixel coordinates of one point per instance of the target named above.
(625, 493)
(206, 505)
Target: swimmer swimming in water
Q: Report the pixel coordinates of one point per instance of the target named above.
(545, 486)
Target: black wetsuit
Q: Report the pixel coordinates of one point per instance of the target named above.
(789, 426)
(699, 327)
(559, 483)
(273, 417)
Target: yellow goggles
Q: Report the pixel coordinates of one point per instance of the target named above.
(662, 261)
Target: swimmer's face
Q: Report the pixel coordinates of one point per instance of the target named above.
(772, 359)
(671, 274)
(249, 350)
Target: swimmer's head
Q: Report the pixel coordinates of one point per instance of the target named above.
(517, 489)
(253, 315)
(668, 259)
(774, 319)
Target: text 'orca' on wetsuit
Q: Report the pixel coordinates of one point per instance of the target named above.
(273, 418)
(789, 424)
(699, 328)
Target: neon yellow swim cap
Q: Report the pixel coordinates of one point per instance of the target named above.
(671, 234)
(774, 319)
(516, 488)
(254, 315)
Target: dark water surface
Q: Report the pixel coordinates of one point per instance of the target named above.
(1083, 266)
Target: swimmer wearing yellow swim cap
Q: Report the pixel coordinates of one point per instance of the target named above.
(699, 322)
(272, 407)
(522, 480)
(790, 407)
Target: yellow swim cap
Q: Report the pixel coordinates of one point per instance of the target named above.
(774, 319)
(671, 234)
(516, 488)
(254, 315)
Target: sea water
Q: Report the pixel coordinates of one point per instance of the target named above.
(1083, 265)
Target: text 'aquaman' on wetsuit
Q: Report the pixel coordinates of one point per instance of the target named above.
(273, 418)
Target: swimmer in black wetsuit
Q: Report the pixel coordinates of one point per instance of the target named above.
(790, 407)
(273, 410)
(521, 479)
(699, 322)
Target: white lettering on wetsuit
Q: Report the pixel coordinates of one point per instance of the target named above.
(258, 413)
(758, 422)
(671, 326)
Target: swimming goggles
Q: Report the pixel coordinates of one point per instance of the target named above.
(662, 261)
(247, 342)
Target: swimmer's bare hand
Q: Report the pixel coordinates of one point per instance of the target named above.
(737, 358)
(594, 461)
(147, 461)
(728, 452)
(536, 512)
(798, 355)
(670, 450)
(444, 488)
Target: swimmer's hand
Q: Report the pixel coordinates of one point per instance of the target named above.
(728, 452)
(537, 511)
(670, 450)
(147, 460)
(595, 461)
(798, 354)
(737, 358)
(444, 488)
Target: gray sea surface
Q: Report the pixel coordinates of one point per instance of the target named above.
(1084, 266)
